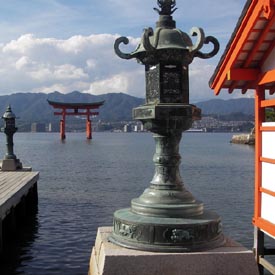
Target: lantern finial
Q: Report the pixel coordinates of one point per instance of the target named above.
(167, 7)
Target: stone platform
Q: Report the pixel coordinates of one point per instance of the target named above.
(110, 259)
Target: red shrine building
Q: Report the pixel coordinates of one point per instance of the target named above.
(248, 65)
(76, 109)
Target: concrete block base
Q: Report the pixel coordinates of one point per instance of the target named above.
(110, 259)
(11, 164)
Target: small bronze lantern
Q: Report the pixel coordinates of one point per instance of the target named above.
(10, 162)
(166, 217)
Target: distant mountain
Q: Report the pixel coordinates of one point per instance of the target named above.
(33, 107)
(225, 107)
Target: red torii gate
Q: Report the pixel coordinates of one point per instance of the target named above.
(75, 107)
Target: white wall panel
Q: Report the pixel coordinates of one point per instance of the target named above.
(268, 208)
(268, 142)
(268, 177)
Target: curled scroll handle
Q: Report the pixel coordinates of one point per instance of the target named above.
(215, 50)
(146, 39)
(195, 31)
(125, 41)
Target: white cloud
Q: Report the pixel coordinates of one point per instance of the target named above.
(114, 84)
(200, 72)
(69, 72)
(91, 63)
(62, 88)
(75, 60)
(22, 63)
(125, 82)
(84, 63)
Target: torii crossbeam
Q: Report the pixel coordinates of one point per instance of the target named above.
(73, 109)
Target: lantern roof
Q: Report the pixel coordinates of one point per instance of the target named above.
(168, 43)
(166, 35)
(9, 114)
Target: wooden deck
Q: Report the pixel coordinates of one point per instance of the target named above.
(15, 189)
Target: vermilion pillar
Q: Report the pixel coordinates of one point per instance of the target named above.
(62, 125)
(88, 128)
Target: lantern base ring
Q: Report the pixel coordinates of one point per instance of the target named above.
(157, 234)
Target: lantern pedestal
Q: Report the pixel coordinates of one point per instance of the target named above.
(110, 259)
(11, 164)
(166, 217)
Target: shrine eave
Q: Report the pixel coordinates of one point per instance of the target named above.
(73, 105)
(244, 62)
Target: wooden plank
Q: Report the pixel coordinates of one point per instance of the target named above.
(267, 128)
(14, 181)
(267, 160)
(267, 265)
(12, 190)
(259, 118)
(266, 191)
(17, 187)
(268, 103)
(13, 186)
(17, 182)
(265, 225)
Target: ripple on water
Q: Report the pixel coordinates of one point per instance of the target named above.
(81, 185)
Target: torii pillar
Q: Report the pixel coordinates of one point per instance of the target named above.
(88, 127)
(62, 125)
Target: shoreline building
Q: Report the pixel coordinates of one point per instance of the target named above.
(38, 127)
(248, 64)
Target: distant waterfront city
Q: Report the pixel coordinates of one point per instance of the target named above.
(206, 124)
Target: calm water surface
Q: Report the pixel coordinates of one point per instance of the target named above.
(83, 182)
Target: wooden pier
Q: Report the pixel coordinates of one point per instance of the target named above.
(18, 193)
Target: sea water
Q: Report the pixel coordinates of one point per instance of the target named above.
(82, 182)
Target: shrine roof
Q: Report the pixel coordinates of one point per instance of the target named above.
(74, 105)
(245, 59)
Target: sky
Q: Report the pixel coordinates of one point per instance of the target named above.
(67, 45)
